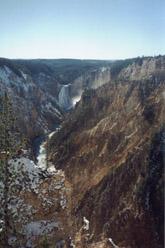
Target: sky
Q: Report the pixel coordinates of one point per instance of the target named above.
(82, 29)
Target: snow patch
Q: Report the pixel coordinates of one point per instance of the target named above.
(72, 244)
(112, 243)
(41, 227)
(86, 224)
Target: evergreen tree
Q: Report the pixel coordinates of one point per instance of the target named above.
(10, 147)
(44, 242)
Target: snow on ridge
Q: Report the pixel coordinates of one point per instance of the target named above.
(38, 227)
(41, 227)
(35, 173)
(33, 181)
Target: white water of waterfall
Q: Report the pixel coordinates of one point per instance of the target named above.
(64, 98)
(76, 99)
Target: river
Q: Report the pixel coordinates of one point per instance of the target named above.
(39, 147)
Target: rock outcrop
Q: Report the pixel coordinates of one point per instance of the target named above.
(92, 80)
(112, 151)
(145, 68)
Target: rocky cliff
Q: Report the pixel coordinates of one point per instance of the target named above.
(111, 148)
(34, 98)
(91, 80)
(145, 68)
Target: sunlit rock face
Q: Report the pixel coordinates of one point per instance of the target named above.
(109, 148)
(147, 68)
(92, 80)
(34, 100)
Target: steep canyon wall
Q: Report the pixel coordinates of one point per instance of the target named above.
(112, 151)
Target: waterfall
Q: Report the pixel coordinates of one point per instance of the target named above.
(64, 98)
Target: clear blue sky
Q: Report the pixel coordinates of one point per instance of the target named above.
(85, 29)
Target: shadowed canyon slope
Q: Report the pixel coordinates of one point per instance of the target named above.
(111, 148)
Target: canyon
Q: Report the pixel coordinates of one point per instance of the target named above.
(109, 147)
(39, 96)
(104, 185)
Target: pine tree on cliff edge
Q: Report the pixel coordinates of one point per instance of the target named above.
(9, 176)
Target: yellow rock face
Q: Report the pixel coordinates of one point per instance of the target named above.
(104, 156)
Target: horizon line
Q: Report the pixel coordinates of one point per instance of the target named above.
(87, 59)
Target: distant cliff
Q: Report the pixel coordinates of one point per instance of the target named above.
(91, 80)
(146, 68)
(111, 148)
